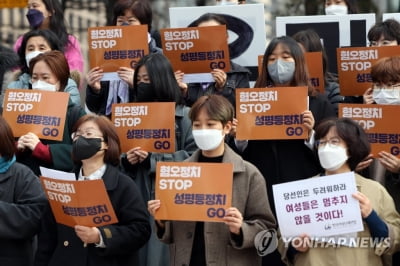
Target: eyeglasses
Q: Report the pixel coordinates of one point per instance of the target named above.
(90, 133)
(335, 141)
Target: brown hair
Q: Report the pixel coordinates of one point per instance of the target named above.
(7, 142)
(57, 63)
(141, 9)
(351, 133)
(386, 70)
(217, 107)
(110, 136)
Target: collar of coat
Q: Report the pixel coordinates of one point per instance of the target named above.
(229, 157)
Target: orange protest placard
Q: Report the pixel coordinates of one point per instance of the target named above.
(260, 62)
(13, 3)
(378, 122)
(271, 113)
(315, 70)
(196, 49)
(193, 191)
(150, 126)
(354, 67)
(79, 202)
(40, 112)
(113, 47)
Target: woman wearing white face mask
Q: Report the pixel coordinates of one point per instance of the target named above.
(49, 72)
(287, 160)
(34, 43)
(231, 242)
(385, 74)
(341, 7)
(342, 144)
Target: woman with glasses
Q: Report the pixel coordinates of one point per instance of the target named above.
(96, 152)
(49, 71)
(342, 144)
(385, 75)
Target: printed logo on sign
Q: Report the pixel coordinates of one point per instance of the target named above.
(266, 242)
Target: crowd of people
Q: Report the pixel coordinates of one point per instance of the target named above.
(48, 58)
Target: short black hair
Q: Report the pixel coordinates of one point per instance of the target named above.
(48, 35)
(358, 146)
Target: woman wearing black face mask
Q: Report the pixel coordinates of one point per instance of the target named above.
(155, 82)
(96, 150)
(100, 94)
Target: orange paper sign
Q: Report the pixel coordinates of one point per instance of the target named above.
(354, 67)
(315, 70)
(271, 113)
(13, 3)
(116, 46)
(197, 49)
(40, 112)
(79, 202)
(150, 126)
(379, 123)
(193, 191)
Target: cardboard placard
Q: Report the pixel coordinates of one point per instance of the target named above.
(379, 123)
(354, 67)
(40, 112)
(150, 126)
(196, 49)
(113, 47)
(193, 191)
(271, 113)
(79, 202)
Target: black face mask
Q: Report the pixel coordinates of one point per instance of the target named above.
(145, 92)
(84, 148)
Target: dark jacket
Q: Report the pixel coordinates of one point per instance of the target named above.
(97, 102)
(21, 205)
(287, 160)
(155, 253)
(237, 77)
(60, 150)
(59, 245)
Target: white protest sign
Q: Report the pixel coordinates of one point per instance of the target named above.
(246, 29)
(395, 16)
(319, 207)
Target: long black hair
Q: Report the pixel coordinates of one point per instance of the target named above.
(162, 79)
(57, 22)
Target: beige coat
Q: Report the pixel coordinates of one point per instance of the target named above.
(383, 204)
(250, 198)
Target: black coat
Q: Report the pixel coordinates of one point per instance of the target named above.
(59, 245)
(288, 160)
(21, 205)
(237, 77)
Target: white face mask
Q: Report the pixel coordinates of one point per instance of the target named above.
(226, 3)
(31, 55)
(43, 85)
(207, 139)
(332, 157)
(336, 10)
(386, 96)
